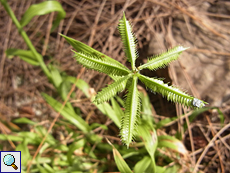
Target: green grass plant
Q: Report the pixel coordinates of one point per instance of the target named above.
(127, 78)
(87, 151)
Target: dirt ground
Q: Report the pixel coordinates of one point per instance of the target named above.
(203, 70)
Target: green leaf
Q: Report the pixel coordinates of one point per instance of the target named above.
(81, 84)
(132, 112)
(142, 165)
(163, 59)
(221, 116)
(11, 137)
(129, 41)
(41, 131)
(146, 109)
(25, 154)
(115, 78)
(96, 125)
(172, 143)
(25, 55)
(160, 169)
(56, 76)
(32, 138)
(42, 9)
(131, 153)
(46, 146)
(150, 140)
(117, 109)
(172, 93)
(146, 104)
(106, 109)
(74, 146)
(67, 113)
(173, 169)
(63, 86)
(120, 162)
(48, 168)
(41, 168)
(101, 64)
(149, 137)
(64, 90)
(110, 91)
(83, 48)
(24, 120)
(120, 100)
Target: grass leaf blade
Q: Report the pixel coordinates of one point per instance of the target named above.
(120, 162)
(111, 90)
(132, 112)
(142, 165)
(100, 64)
(42, 9)
(25, 55)
(172, 93)
(163, 59)
(129, 41)
(150, 139)
(67, 113)
(83, 48)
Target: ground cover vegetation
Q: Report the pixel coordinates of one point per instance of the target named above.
(73, 142)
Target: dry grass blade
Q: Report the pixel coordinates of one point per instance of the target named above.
(209, 145)
(216, 145)
(209, 52)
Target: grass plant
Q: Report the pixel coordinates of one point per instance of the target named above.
(127, 79)
(86, 150)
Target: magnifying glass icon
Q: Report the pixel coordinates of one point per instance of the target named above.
(9, 160)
